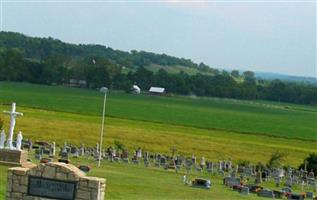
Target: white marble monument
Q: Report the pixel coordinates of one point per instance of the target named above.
(2, 139)
(13, 114)
(10, 155)
(19, 141)
(53, 149)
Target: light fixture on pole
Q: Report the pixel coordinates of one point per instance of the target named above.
(104, 90)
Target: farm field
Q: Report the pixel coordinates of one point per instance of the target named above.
(156, 137)
(273, 119)
(214, 128)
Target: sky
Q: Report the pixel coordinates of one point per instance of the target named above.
(247, 35)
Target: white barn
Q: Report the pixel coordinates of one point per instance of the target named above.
(157, 90)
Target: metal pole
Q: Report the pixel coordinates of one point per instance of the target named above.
(102, 127)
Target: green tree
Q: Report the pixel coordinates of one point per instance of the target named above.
(235, 73)
(249, 75)
(276, 160)
(311, 162)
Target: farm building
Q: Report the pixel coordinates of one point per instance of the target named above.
(77, 83)
(157, 90)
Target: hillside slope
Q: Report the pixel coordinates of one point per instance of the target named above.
(41, 48)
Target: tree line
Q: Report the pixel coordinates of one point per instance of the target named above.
(97, 71)
(41, 48)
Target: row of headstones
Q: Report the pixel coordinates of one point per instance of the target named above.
(162, 159)
(235, 184)
(113, 155)
(291, 177)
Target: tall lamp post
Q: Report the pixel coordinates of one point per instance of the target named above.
(104, 90)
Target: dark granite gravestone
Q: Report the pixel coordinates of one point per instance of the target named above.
(309, 195)
(245, 190)
(230, 181)
(84, 168)
(64, 161)
(293, 196)
(266, 193)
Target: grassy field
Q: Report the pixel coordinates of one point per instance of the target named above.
(174, 69)
(157, 137)
(273, 119)
(214, 128)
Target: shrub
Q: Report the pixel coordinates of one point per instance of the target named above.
(1, 123)
(276, 160)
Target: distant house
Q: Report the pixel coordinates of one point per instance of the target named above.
(77, 83)
(135, 89)
(157, 90)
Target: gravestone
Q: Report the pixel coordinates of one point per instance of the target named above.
(294, 196)
(230, 181)
(278, 194)
(82, 150)
(266, 193)
(311, 175)
(53, 181)
(84, 168)
(125, 156)
(287, 190)
(288, 182)
(309, 195)
(139, 153)
(64, 155)
(52, 150)
(38, 154)
(258, 178)
(245, 190)
(311, 182)
(209, 167)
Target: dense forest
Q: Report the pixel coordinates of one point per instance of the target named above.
(50, 61)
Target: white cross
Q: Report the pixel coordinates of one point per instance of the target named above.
(13, 115)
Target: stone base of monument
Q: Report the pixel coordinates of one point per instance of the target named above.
(53, 181)
(14, 158)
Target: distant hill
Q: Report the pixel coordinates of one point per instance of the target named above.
(286, 78)
(53, 62)
(40, 48)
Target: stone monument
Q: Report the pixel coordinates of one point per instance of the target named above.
(19, 141)
(53, 181)
(10, 155)
(13, 114)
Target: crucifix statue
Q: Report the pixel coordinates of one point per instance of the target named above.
(13, 115)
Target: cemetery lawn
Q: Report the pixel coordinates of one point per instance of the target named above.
(129, 181)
